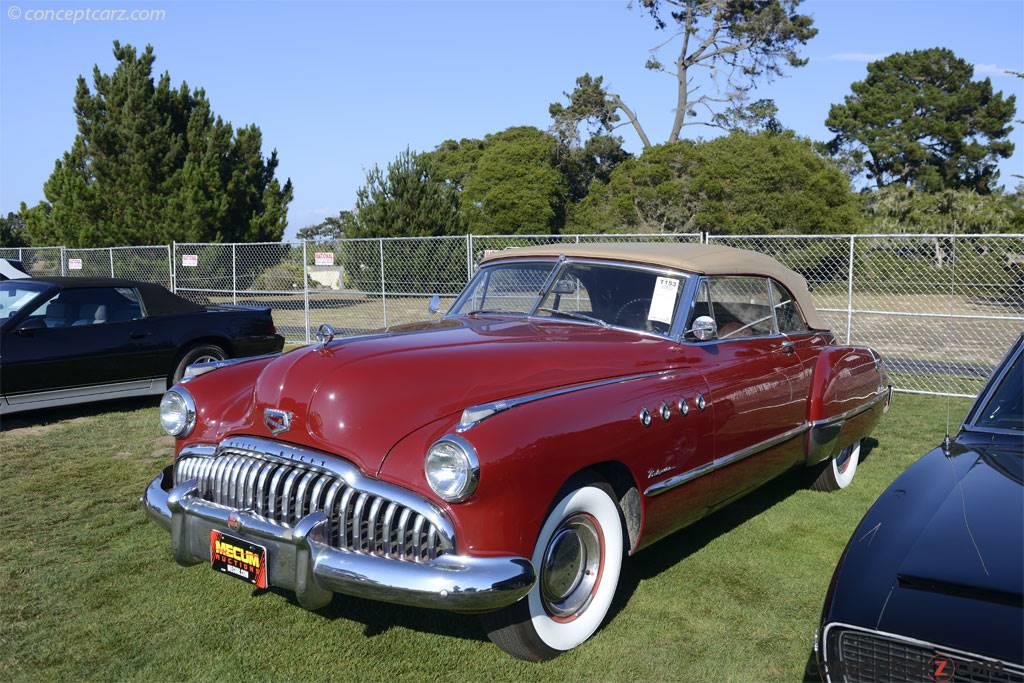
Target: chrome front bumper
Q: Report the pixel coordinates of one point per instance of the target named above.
(299, 559)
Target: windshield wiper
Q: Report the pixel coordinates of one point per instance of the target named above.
(574, 314)
(497, 311)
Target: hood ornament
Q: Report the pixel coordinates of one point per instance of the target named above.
(277, 421)
(325, 334)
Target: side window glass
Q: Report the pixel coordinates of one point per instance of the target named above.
(741, 306)
(90, 306)
(124, 305)
(701, 307)
(786, 310)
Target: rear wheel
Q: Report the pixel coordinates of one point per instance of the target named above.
(204, 353)
(838, 472)
(578, 557)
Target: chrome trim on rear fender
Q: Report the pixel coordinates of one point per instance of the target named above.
(718, 463)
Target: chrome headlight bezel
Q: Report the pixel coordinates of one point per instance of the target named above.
(452, 448)
(181, 395)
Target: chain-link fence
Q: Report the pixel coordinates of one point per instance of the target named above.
(941, 309)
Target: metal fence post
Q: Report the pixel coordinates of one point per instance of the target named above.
(173, 258)
(469, 257)
(577, 239)
(170, 267)
(234, 274)
(111, 252)
(305, 289)
(383, 295)
(849, 295)
(20, 257)
(63, 262)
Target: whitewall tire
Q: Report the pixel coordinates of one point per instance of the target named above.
(578, 558)
(839, 471)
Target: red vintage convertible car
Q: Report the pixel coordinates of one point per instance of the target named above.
(576, 404)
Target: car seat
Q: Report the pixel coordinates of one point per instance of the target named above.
(91, 314)
(55, 315)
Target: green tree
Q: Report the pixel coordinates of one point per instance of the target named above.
(920, 119)
(509, 182)
(12, 231)
(738, 42)
(906, 209)
(405, 200)
(151, 163)
(330, 228)
(736, 183)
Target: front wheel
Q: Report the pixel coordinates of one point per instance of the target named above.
(578, 557)
(838, 472)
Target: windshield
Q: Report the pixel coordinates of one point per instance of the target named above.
(15, 295)
(508, 288)
(599, 294)
(1005, 407)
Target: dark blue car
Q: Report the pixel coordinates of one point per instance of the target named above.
(931, 585)
(74, 340)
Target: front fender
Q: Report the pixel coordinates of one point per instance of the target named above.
(528, 453)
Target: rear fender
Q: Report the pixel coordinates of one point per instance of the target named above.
(849, 393)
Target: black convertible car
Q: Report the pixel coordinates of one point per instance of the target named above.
(73, 340)
(931, 586)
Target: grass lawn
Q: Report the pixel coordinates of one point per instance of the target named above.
(88, 588)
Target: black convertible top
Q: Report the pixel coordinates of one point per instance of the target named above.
(156, 298)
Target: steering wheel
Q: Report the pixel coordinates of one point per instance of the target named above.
(648, 324)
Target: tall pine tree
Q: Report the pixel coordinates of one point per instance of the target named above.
(152, 163)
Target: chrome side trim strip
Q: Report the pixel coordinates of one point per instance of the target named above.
(680, 479)
(718, 463)
(997, 663)
(52, 398)
(474, 415)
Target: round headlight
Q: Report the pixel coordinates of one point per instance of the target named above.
(452, 468)
(177, 412)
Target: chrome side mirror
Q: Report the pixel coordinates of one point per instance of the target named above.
(704, 328)
(565, 286)
(435, 304)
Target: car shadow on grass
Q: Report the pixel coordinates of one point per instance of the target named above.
(668, 552)
(378, 617)
(40, 421)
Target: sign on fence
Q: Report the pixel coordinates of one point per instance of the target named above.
(74, 264)
(190, 260)
(323, 258)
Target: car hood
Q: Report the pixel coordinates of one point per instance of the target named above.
(973, 542)
(942, 550)
(358, 397)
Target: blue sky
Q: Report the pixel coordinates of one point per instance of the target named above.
(339, 86)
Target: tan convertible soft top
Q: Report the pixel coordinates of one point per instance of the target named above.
(705, 259)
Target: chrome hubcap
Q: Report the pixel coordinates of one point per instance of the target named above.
(571, 566)
(206, 359)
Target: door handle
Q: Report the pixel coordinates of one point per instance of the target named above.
(137, 335)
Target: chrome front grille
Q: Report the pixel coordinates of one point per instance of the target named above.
(364, 515)
(855, 656)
